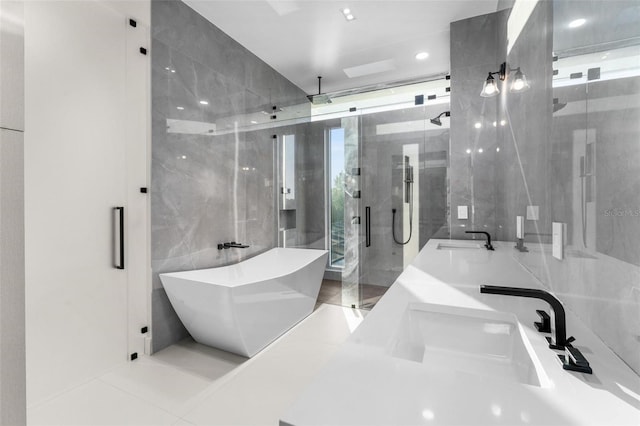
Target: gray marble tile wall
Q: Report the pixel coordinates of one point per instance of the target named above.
(599, 277)
(477, 48)
(536, 156)
(525, 155)
(212, 173)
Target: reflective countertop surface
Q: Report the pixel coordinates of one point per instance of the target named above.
(396, 370)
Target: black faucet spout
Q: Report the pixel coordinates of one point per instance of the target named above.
(486, 234)
(558, 321)
(232, 244)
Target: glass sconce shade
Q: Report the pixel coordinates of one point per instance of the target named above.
(490, 87)
(519, 83)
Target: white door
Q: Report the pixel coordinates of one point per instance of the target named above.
(75, 173)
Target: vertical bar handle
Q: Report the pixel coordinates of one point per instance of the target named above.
(367, 219)
(118, 237)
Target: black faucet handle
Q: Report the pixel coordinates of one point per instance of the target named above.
(544, 326)
(573, 360)
(487, 245)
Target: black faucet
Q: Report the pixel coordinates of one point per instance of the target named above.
(558, 325)
(232, 244)
(488, 243)
(572, 359)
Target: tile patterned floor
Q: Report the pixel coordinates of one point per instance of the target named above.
(191, 384)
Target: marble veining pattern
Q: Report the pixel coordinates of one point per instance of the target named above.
(542, 150)
(213, 176)
(476, 49)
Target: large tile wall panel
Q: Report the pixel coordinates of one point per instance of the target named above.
(477, 48)
(213, 171)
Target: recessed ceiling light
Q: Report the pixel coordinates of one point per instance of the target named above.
(480, 150)
(468, 151)
(204, 102)
(477, 125)
(180, 108)
(577, 23)
(422, 55)
(348, 15)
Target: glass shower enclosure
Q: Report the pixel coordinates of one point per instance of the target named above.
(386, 185)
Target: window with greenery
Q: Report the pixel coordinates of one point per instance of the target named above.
(337, 175)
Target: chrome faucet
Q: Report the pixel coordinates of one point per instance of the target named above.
(558, 329)
(488, 243)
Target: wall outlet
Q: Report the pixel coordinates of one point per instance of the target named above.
(558, 240)
(463, 212)
(533, 213)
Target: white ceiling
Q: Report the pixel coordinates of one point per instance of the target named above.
(303, 39)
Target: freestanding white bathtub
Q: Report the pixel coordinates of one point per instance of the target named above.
(242, 308)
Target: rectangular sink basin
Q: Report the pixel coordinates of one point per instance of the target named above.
(457, 245)
(480, 342)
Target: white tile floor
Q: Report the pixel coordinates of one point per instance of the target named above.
(191, 384)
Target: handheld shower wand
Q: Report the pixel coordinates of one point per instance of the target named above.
(408, 198)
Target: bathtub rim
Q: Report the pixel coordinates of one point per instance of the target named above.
(194, 275)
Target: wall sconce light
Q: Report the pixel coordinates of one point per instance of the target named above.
(490, 86)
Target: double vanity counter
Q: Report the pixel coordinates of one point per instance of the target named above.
(435, 350)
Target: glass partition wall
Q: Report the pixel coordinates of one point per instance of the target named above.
(384, 156)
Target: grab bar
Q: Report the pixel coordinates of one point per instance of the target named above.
(367, 220)
(118, 237)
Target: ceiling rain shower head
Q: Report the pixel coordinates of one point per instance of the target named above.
(437, 121)
(319, 99)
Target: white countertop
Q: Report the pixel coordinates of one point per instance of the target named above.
(363, 385)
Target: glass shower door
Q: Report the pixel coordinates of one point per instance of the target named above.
(395, 196)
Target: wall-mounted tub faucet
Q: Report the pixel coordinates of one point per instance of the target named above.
(557, 326)
(488, 243)
(232, 244)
